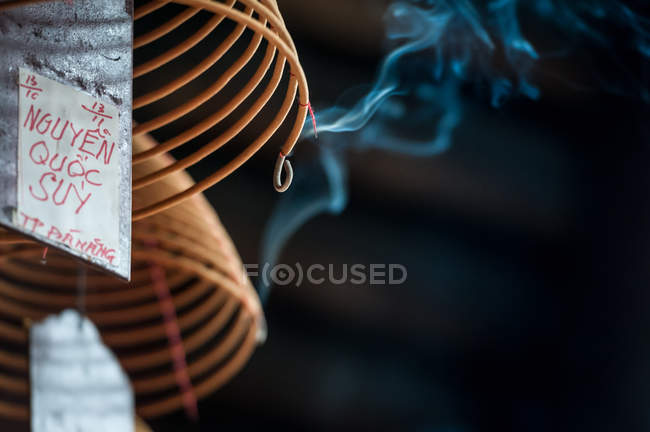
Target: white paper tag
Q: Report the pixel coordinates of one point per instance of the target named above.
(77, 384)
(68, 167)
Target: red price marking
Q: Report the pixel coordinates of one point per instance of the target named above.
(97, 110)
(31, 85)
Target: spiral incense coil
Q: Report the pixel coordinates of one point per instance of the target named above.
(261, 18)
(179, 96)
(218, 312)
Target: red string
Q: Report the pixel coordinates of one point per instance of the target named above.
(44, 257)
(174, 338)
(313, 117)
(311, 111)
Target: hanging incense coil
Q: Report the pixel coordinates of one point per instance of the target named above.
(180, 97)
(219, 314)
(263, 20)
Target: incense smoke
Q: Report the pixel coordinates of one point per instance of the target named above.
(441, 47)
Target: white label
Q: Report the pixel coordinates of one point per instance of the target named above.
(68, 167)
(77, 384)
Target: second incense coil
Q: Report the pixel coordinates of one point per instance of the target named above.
(219, 314)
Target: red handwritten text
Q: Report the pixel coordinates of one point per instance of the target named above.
(72, 238)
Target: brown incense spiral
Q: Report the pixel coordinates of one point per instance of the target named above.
(261, 18)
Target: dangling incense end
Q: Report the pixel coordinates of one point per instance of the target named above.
(280, 164)
(44, 256)
(82, 280)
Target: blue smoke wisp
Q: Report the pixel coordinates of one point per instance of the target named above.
(440, 47)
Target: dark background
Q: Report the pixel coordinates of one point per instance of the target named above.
(527, 247)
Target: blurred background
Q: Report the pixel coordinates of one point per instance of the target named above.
(527, 246)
